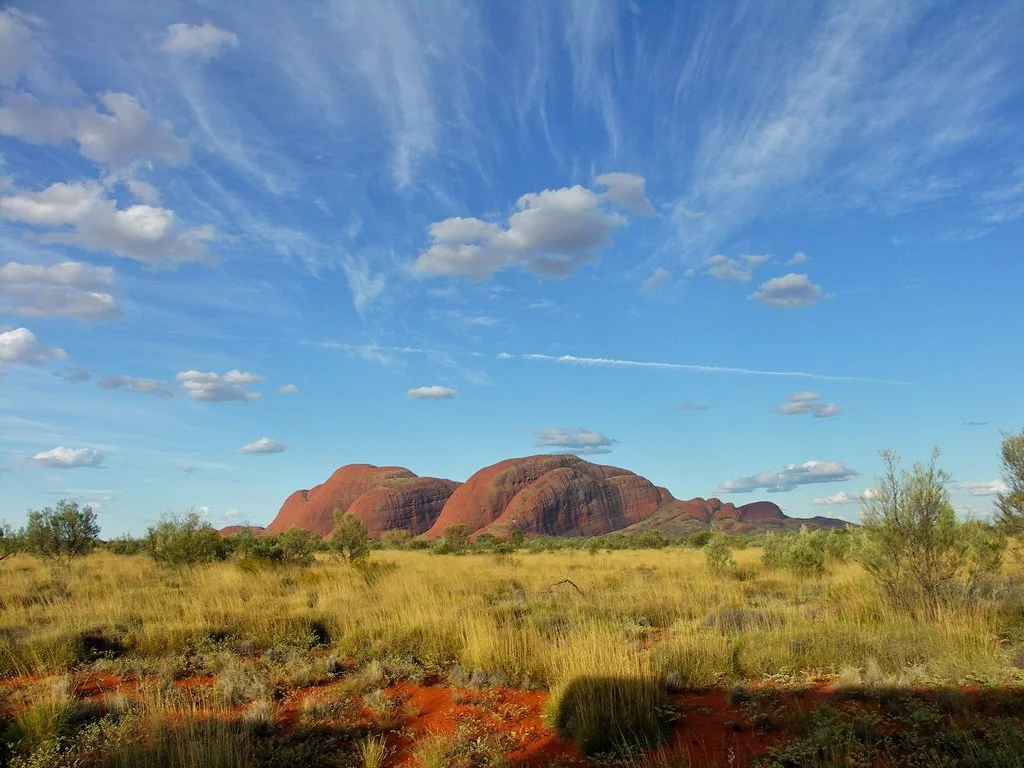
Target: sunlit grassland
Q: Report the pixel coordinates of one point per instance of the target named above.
(649, 613)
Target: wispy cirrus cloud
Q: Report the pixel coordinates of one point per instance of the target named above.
(605, 362)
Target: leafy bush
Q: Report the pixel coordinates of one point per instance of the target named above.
(1011, 503)
(396, 539)
(10, 542)
(348, 538)
(62, 534)
(719, 554)
(454, 542)
(297, 547)
(125, 544)
(912, 543)
(184, 541)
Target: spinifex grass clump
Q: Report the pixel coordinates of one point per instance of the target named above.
(603, 714)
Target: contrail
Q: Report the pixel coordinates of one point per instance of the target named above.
(606, 362)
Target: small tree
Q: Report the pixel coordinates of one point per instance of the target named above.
(455, 540)
(297, 547)
(718, 554)
(62, 534)
(1010, 504)
(911, 542)
(10, 542)
(184, 541)
(349, 538)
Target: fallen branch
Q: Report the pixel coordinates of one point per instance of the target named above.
(564, 581)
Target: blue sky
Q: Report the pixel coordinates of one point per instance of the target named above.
(737, 248)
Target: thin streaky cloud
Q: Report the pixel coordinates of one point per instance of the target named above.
(605, 362)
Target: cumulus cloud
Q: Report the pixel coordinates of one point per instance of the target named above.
(83, 216)
(585, 441)
(203, 40)
(690, 406)
(18, 45)
(432, 393)
(24, 117)
(288, 389)
(798, 258)
(20, 346)
(551, 234)
(808, 473)
(136, 385)
(68, 458)
(989, 488)
(790, 291)
(722, 267)
(843, 498)
(800, 403)
(126, 133)
(263, 446)
(71, 289)
(626, 190)
(656, 279)
(214, 388)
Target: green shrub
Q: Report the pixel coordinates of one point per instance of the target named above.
(62, 534)
(184, 541)
(718, 554)
(125, 544)
(10, 542)
(912, 543)
(348, 538)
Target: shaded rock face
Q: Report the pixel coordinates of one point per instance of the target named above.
(553, 495)
(384, 498)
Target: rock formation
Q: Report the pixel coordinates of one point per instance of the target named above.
(550, 494)
(384, 498)
(555, 495)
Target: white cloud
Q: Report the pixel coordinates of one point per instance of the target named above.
(362, 282)
(263, 446)
(204, 40)
(71, 288)
(626, 190)
(722, 267)
(23, 117)
(798, 258)
(21, 347)
(656, 279)
(432, 393)
(800, 403)
(136, 385)
(790, 477)
(18, 45)
(989, 488)
(214, 388)
(585, 441)
(126, 133)
(68, 458)
(288, 389)
(788, 292)
(842, 498)
(143, 232)
(551, 234)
